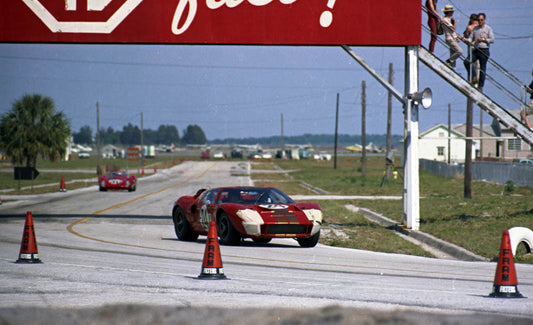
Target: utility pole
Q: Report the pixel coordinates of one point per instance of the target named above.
(388, 157)
(282, 141)
(480, 134)
(142, 144)
(449, 132)
(336, 132)
(98, 155)
(363, 128)
(468, 150)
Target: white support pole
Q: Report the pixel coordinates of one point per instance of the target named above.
(411, 196)
(411, 200)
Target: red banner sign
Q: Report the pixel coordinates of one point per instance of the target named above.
(133, 153)
(276, 22)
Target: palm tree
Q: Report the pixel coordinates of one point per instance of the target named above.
(33, 128)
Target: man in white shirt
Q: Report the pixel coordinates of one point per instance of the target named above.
(481, 37)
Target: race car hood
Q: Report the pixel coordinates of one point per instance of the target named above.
(286, 213)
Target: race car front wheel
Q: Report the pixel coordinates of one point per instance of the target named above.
(226, 232)
(310, 241)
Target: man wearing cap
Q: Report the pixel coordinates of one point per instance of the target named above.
(481, 37)
(448, 24)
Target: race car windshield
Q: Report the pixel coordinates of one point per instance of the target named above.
(254, 196)
(273, 196)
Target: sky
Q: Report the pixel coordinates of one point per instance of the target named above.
(243, 91)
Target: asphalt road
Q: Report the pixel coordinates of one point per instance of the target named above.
(113, 257)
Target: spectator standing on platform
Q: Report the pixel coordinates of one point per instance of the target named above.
(449, 24)
(433, 19)
(481, 38)
(472, 23)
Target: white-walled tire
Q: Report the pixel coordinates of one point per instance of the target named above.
(519, 235)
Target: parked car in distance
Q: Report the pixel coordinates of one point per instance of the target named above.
(84, 154)
(236, 153)
(523, 162)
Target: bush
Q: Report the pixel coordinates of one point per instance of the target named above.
(509, 187)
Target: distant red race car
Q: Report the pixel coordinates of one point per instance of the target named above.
(260, 213)
(117, 180)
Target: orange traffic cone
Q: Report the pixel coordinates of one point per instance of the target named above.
(505, 282)
(28, 248)
(155, 169)
(212, 265)
(62, 185)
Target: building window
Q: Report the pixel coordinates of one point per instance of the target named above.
(514, 144)
(440, 151)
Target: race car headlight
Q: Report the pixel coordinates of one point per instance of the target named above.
(102, 183)
(127, 183)
(251, 221)
(315, 216)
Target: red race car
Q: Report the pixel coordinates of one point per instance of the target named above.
(117, 180)
(260, 213)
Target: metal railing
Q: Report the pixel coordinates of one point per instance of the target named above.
(480, 98)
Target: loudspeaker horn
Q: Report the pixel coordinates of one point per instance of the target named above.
(424, 97)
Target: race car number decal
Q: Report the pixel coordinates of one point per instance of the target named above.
(204, 217)
(274, 206)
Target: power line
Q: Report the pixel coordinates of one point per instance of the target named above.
(166, 65)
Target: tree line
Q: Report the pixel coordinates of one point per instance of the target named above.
(131, 135)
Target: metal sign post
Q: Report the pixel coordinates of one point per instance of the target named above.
(411, 195)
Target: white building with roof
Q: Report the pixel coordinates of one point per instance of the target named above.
(433, 144)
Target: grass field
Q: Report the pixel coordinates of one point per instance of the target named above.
(475, 224)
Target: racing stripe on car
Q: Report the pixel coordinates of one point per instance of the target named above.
(284, 216)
